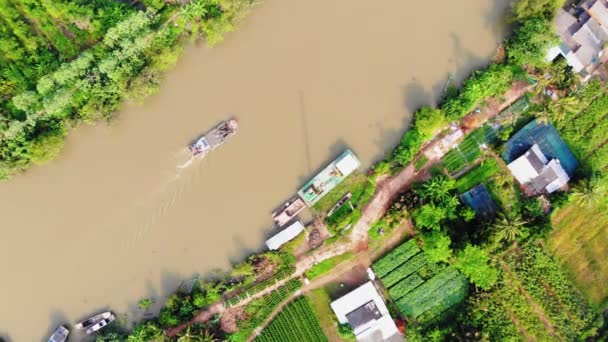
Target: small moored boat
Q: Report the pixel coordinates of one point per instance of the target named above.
(87, 323)
(99, 325)
(60, 334)
(213, 138)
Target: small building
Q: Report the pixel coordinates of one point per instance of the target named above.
(480, 200)
(365, 311)
(329, 178)
(583, 32)
(537, 173)
(285, 235)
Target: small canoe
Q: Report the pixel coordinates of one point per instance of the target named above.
(60, 334)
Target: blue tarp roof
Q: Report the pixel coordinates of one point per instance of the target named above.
(549, 142)
(479, 199)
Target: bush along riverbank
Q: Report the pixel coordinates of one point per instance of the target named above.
(109, 52)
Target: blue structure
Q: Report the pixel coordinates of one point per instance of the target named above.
(549, 142)
(479, 199)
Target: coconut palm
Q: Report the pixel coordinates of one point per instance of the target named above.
(542, 83)
(195, 10)
(188, 336)
(562, 108)
(508, 227)
(588, 192)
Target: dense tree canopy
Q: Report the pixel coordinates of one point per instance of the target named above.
(523, 9)
(473, 262)
(530, 42)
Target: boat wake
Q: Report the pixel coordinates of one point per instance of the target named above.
(158, 203)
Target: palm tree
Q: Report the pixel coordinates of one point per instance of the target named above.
(542, 83)
(588, 192)
(508, 227)
(188, 336)
(564, 107)
(195, 10)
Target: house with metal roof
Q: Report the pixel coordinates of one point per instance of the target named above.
(534, 171)
(365, 311)
(329, 177)
(285, 235)
(583, 32)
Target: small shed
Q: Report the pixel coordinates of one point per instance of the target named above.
(479, 199)
(285, 235)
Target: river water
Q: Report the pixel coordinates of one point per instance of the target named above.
(112, 220)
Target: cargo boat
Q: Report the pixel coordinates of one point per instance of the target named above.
(288, 211)
(213, 138)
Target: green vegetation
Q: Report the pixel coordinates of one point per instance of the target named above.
(530, 42)
(296, 322)
(421, 162)
(473, 262)
(396, 257)
(477, 174)
(327, 265)
(435, 296)
(362, 189)
(469, 150)
(412, 280)
(583, 247)
(320, 300)
(145, 303)
(244, 293)
(258, 310)
(70, 61)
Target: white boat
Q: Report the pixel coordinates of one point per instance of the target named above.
(99, 325)
(60, 334)
(89, 322)
(213, 138)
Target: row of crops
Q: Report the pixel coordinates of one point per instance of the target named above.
(297, 322)
(469, 149)
(421, 289)
(258, 310)
(256, 288)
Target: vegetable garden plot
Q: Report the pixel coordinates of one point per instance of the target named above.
(469, 149)
(436, 295)
(297, 322)
(395, 258)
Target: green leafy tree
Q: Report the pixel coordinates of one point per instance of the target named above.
(473, 262)
(437, 246)
(438, 189)
(524, 9)
(46, 146)
(429, 121)
(429, 216)
(146, 331)
(530, 42)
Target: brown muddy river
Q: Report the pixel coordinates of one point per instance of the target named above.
(112, 220)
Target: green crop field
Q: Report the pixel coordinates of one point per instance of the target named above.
(422, 290)
(297, 322)
(582, 247)
(469, 149)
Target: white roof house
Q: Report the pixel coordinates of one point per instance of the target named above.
(285, 235)
(364, 309)
(582, 35)
(533, 169)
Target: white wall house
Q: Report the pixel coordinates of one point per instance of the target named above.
(583, 33)
(536, 172)
(365, 310)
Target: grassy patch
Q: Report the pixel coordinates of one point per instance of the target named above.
(580, 243)
(361, 188)
(354, 183)
(319, 299)
(477, 175)
(327, 265)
